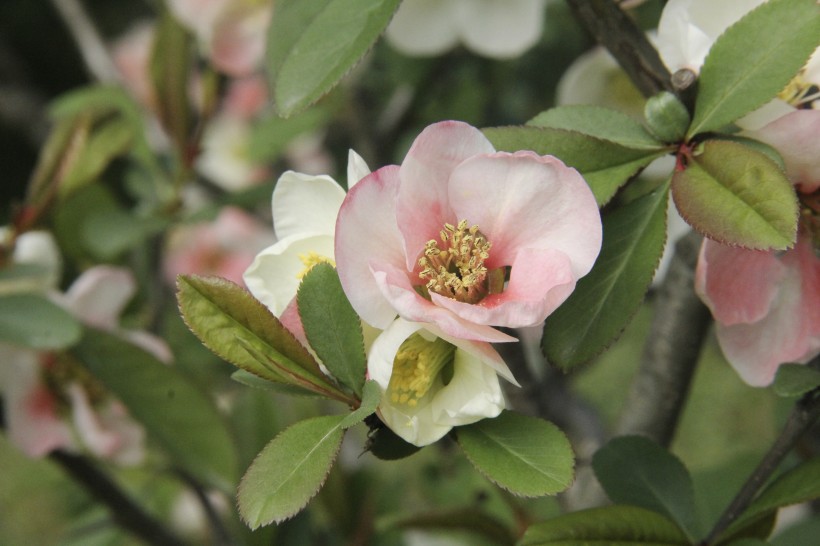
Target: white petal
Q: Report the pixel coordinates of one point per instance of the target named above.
(99, 295)
(356, 168)
(36, 248)
(473, 393)
(500, 29)
(95, 437)
(305, 204)
(423, 27)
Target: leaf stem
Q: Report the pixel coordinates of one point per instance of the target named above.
(125, 512)
(805, 413)
(615, 30)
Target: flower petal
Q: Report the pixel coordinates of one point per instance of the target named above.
(795, 137)
(423, 201)
(100, 294)
(356, 168)
(501, 30)
(423, 27)
(305, 204)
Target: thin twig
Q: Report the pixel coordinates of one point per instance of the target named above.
(124, 511)
(615, 30)
(679, 328)
(803, 416)
(91, 45)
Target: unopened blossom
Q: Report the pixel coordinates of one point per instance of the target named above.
(500, 29)
(464, 237)
(232, 32)
(224, 247)
(767, 304)
(432, 382)
(688, 28)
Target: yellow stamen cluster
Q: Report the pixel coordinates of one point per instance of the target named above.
(309, 260)
(456, 268)
(416, 366)
(800, 92)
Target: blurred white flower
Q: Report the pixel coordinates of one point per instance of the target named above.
(501, 29)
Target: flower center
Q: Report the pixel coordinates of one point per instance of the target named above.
(309, 260)
(800, 92)
(455, 267)
(60, 370)
(416, 366)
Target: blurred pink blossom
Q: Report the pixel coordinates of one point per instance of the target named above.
(767, 304)
(464, 237)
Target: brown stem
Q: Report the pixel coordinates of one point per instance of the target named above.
(678, 331)
(124, 511)
(615, 30)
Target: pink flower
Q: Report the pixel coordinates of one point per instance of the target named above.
(465, 237)
(767, 304)
(224, 247)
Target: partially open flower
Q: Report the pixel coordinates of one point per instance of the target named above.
(464, 237)
(432, 382)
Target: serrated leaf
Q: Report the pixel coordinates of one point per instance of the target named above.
(241, 330)
(605, 165)
(313, 43)
(182, 419)
(737, 196)
(598, 122)
(371, 396)
(795, 380)
(636, 471)
(795, 486)
(32, 321)
(604, 301)
(250, 380)
(611, 525)
(290, 470)
(524, 455)
(332, 326)
(753, 60)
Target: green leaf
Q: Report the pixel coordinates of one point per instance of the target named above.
(795, 486)
(371, 396)
(290, 470)
(109, 232)
(471, 520)
(524, 455)
(748, 542)
(754, 60)
(737, 196)
(795, 380)
(636, 471)
(176, 414)
(610, 525)
(385, 444)
(254, 381)
(332, 326)
(33, 321)
(313, 43)
(598, 122)
(108, 140)
(605, 165)
(241, 330)
(604, 300)
(802, 533)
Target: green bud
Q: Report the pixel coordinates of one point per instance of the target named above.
(666, 117)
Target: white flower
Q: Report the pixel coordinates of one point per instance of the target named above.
(500, 29)
(304, 219)
(432, 382)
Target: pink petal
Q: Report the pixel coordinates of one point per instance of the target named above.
(738, 285)
(795, 136)
(95, 437)
(99, 295)
(423, 200)
(239, 40)
(366, 233)
(293, 322)
(523, 200)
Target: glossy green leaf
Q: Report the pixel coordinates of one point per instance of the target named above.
(795, 380)
(332, 327)
(598, 122)
(737, 196)
(371, 396)
(606, 298)
(32, 321)
(290, 470)
(754, 60)
(610, 525)
(636, 471)
(795, 486)
(182, 419)
(241, 330)
(313, 43)
(605, 165)
(524, 455)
